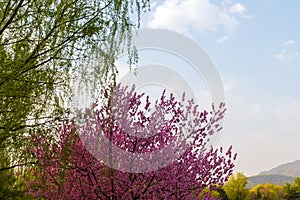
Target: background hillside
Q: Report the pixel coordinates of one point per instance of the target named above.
(288, 169)
(277, 175)
(272, 178)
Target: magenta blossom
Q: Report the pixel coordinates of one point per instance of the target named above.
(127, 149)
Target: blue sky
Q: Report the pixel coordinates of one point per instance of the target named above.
(255, 45)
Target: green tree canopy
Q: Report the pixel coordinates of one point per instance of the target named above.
(293, 190)
(42, 45)
(235, 188)
(266, 191)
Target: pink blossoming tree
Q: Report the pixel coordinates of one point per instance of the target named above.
(75, 161)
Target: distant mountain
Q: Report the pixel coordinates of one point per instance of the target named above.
(288, 169)
(278, 175)
(269, 178)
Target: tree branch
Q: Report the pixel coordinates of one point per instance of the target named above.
(12, 16)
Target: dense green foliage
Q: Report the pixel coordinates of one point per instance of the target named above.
(40, 41)
(293, 190)
(237, 188)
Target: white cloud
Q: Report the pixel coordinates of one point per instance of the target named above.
(227, 2)
(238, 8)
(288, 52)
(289, 42)
(196, 15)
(284, 54)
(223, 39)
(281, 55)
